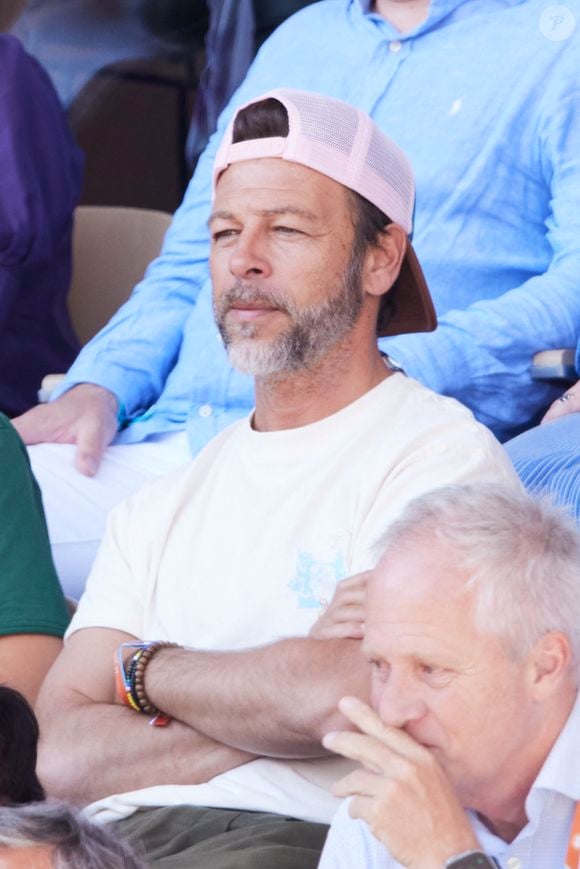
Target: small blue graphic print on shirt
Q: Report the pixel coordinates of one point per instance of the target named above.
(316, 580)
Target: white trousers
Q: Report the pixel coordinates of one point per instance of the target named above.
(76, 507)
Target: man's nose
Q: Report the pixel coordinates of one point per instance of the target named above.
(249, 257)
(398, 702)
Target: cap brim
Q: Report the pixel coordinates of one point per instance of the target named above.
(407, 306)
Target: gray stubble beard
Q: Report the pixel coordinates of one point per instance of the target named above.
(312, 332)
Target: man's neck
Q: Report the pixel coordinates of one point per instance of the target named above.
(504, 812)
(405, 15)
(308, 396)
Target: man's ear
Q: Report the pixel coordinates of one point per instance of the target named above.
(383, 260)
(549, 664)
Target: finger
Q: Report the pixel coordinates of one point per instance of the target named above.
(351, 589)
(369, 751)
(355, 630)
(569, 402)
(87, 463)
(353, 612)
(92, 439)
(367, 721)
(357, 579)
(344, 613)
(338, 631)
(348, 597)
(361, 809)
(355, 582)
(361, 782)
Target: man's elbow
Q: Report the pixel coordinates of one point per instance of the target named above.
(347, 675)
(353, 680)
(332, 718)
(60, 772)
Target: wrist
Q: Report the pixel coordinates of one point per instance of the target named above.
(95, 390)
(450, 848)
(472, 859)
(132, 661)
(158, 680)
(107, 399)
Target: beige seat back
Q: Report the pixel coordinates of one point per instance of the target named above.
(112, 247)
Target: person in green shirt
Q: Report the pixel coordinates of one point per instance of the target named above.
(33, 610)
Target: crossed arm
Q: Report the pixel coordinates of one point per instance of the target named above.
(90, 747)
(276, 700)
(25, 660)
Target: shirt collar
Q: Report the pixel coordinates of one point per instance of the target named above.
(447, 5)
(438, 9)
(561, 769)
(560, 774)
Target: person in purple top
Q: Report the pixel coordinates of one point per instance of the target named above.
(40, 183)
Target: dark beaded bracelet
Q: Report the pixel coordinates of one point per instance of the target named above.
(134, 678)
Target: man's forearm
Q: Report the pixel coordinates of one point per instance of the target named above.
(93, 750)
(276, 700)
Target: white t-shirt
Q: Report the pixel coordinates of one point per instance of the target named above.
(244, 545)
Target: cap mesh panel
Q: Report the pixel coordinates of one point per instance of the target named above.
(386, 167)
(317, 121)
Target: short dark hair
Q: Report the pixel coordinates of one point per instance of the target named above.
(18, 745)
(268, 118)
(261, 120)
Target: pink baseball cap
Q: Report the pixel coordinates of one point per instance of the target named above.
(342, 142)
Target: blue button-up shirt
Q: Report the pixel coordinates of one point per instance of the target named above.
(485, 99)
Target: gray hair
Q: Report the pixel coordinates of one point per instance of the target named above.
(76, 843)
(522, 557)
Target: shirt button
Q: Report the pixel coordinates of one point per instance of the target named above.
(395, 46)
(514, 863)
(205, 410)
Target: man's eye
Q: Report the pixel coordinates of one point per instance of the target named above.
(287, 230)
(380, 669)
(223, 233)
(434, 674)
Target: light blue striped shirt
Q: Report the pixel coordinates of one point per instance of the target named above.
(547, 458)
(485, 99)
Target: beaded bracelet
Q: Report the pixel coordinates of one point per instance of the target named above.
(130, 678)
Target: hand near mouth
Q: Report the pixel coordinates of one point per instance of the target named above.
(400, 791)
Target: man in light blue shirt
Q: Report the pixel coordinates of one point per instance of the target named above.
(484, 98)
(472, 629)
(547, 457)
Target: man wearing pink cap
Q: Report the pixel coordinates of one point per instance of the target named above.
(493, 134)
(239, 553)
